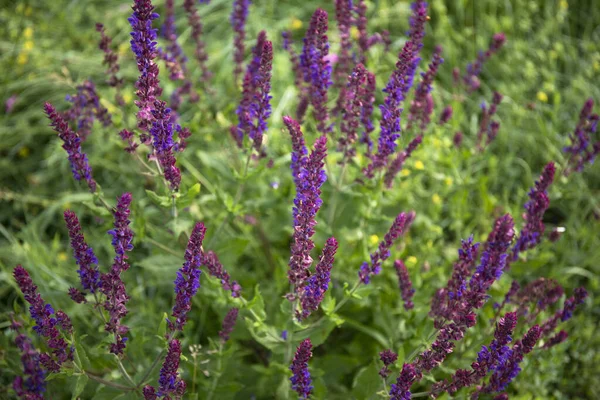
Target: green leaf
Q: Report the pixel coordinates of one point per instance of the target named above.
(161, 201)
(162, 327)
(257, 305)
(189, 197)
(83, 358)
(80, 383)
(367, 383)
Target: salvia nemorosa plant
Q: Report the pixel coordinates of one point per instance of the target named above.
(527, 318)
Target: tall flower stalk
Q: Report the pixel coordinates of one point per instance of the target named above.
(238, 18)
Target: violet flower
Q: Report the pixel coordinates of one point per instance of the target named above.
(582, 149)
(9, 104)
(365, 42)
(32, 384)
(46, 325)
(533, 231)
(195, 23)
(111, 60)
(398, 228)
(188, 278)
(387, 357)
(401, 389)
(457, 139)
(170, 385)
(72, 144)
(397, 89)
(306, 205)
(86, 109)
(288, 46)
(316, 69)
(398, 162)
(128, 137)
(162, 141)
(471, 76)
(84, 254)
(368, 101)
(420, 111)
(405, 284)
(343, 14)
(143, 45)
(238, 18)
(215, 268)
(313, 293)
(228, 324)
(112, 284)
(488, 127)
(446, 115)
(351, 108)
(299, 151)
(301, 381)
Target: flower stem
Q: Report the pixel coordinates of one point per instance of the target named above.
(217, 375)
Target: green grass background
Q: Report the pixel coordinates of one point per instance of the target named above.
(548, 67)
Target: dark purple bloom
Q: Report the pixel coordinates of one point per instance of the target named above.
(162, 141)
(397, 89)
(470, 78)
(215, 268)
(173, 55)
(197, 30)
(556, 339)
(77, 296)
(46, 324)
(486, 125)
(143, 45)
(299, 151)
(314, 62)
(228, 324)
(9, 104)
(446, 115)
(112, 284)
(352, 108)
(287, 46)
(570, 304)
(149, 393)
(312, 294)
(86, 109)
(399, 160)
(368, 100)
(582, 149)
(398, 228)
(306, 204)
(128, 137)
(72, 145)
(365, 42)
(169, 382)
(238, 18)
(343, 14)
(533, 231)
(401, 389)
(31, 385)
(188, 278)
(419, 108)
(111, 60)
(301, 381)
(405, 284)
(457, 139)
(84, 254)
(388, 357)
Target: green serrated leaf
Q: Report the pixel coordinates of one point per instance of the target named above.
(79, 386)
(187, 199)
(161, 201)
(162, 327)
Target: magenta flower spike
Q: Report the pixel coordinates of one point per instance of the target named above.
(420, 108)
(228, 324)
(301, 380)
(238, 18)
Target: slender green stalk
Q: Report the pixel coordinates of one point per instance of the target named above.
(155, 362)
(217, 374)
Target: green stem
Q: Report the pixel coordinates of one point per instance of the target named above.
(108, 383)
(217, 375)
(155, 362)
(162, 246)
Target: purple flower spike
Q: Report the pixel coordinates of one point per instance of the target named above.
(446, 115)
(420, 110)
(566, 312)
(399, 227)
(299, 151)
(111, 60)
(188, 278)
(398, 163)
(301, 381)
(162, 141)
(388, 357)
(143, 45)
(72, 145)
(368, 101)
(397, 89)
(352, 108)
(84, 254)
(471, 76)
(582, 149)
(46, 324)
(306, 204)
(405, 284)
(228, 324)
(112, 284)
(365, 42)
(343, 14)
(314, 62)
(314, 291)
(533, 231)
(215, 268)
(32, 384)
(197, 31)
(287, 46)
(170, 384)
(556, 339)
(238, 22)
(401, 389)
(86, 109)
(488, 127)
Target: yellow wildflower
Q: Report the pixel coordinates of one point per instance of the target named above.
(127, 98)
(448, 181)
(419, 165)
(412, 260)
(28, 45)
(564, 4)
(22, 58)
(405, 172)
(28, 33)
(296, 24)
(354, 32)
(542, 96)
(62, 256)
(437, 143)
(373, 240)
(436, 199)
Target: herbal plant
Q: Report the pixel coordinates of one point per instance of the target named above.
(340, 150)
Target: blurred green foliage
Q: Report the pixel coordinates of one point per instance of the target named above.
(547, 69)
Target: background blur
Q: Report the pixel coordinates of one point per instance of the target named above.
(549, 66)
